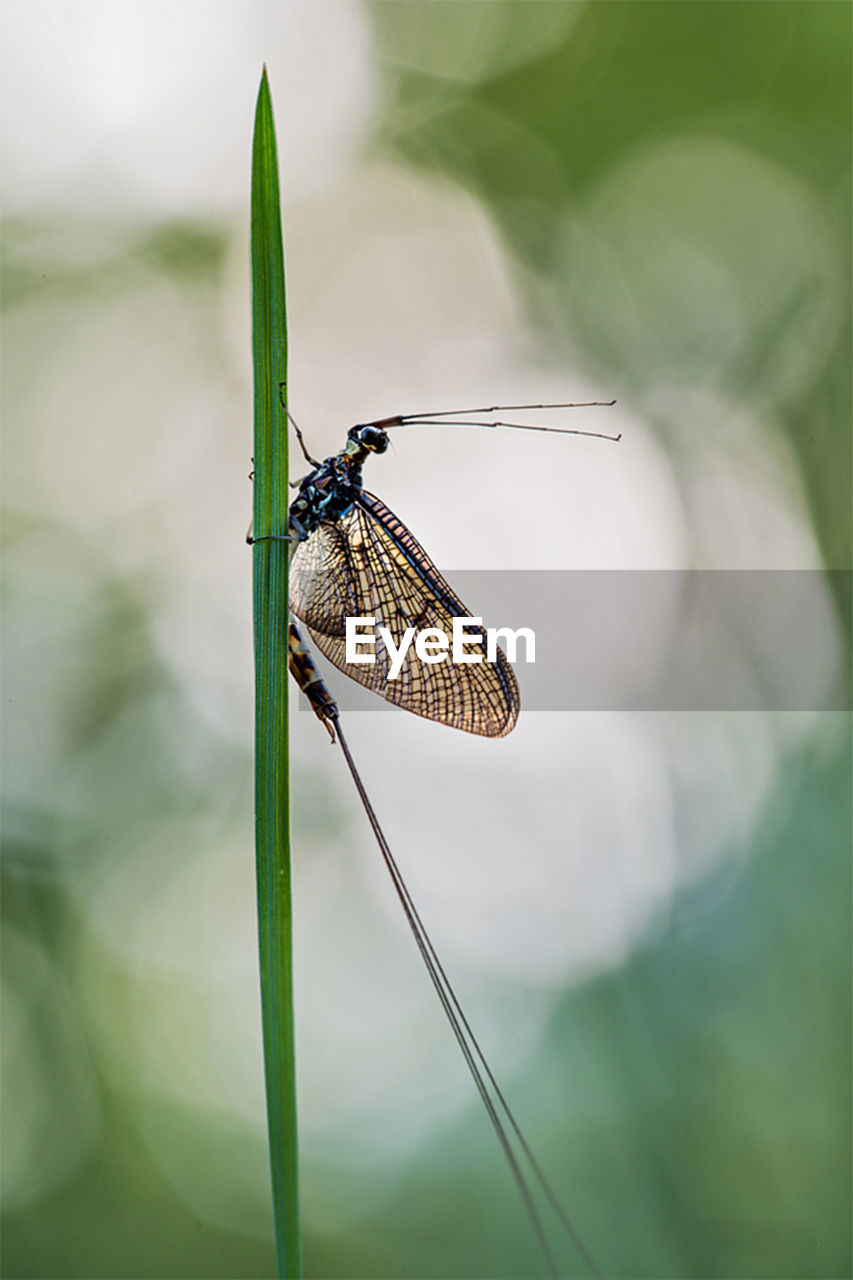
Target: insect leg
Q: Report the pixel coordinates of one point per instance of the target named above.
(310, 682)
(293, 423)
(297, 534)
(271, 537)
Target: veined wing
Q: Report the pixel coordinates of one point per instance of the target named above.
(367, 564)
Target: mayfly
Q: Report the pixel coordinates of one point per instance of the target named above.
(352, 557)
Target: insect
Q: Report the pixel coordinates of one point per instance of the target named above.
(353, 558)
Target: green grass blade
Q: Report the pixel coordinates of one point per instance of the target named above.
(272, 844)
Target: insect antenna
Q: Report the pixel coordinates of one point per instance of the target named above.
(470, 418)
(469, 1045)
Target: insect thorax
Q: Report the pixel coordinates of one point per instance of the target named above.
(327, 493)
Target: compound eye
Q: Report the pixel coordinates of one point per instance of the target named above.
(374, 438)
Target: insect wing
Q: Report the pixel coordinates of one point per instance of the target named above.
(367, 564)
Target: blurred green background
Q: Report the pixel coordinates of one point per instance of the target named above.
(647, 916)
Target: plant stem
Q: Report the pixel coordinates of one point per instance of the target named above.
(270, 556)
